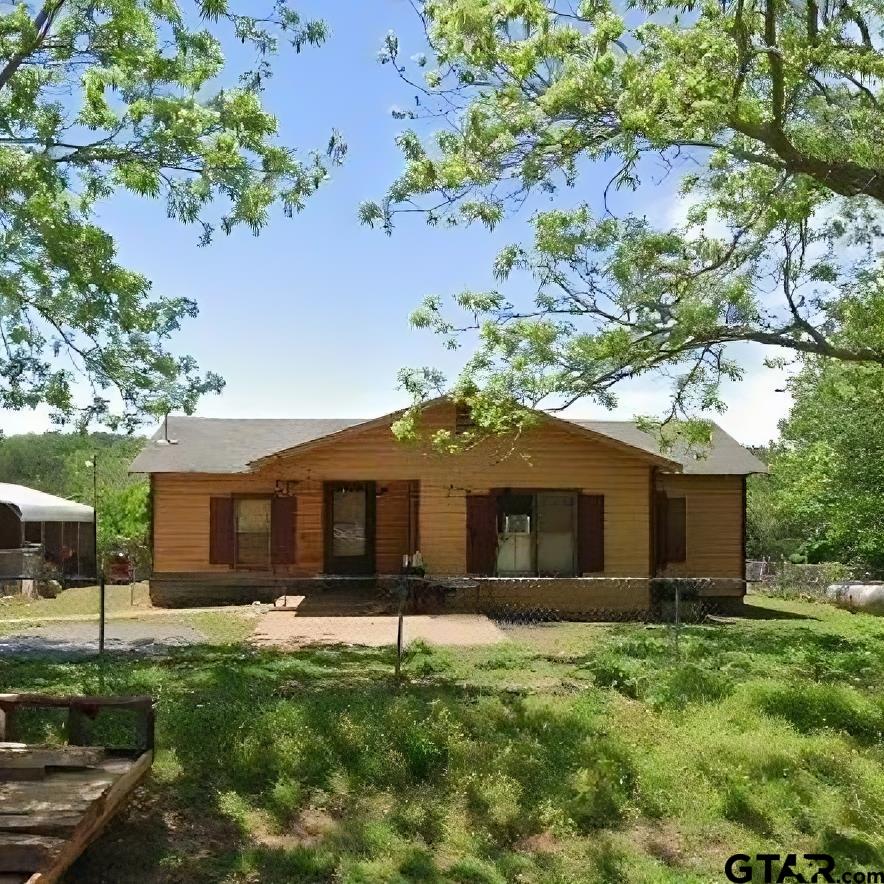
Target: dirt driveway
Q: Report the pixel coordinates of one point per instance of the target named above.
(286, 629)
(80, 638)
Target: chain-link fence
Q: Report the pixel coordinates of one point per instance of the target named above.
(790, 580)
(688, 612)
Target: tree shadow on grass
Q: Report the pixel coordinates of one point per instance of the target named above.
(278, 732)
(751, 611)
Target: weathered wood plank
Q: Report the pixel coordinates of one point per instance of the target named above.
(20, 755)
(39, 823)
(93, 821)
(27, 853)
(8, 774)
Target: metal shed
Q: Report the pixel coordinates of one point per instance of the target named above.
(37, 527)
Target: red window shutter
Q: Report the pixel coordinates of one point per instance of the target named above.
(676, 529)
(221, 530)
(661, 531)
(283, 511)
(591, 533)
(481, 534)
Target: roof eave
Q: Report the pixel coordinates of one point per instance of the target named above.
(261, 462)
(633, 450)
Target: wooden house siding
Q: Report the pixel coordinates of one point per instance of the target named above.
(714, 520)
(546, 457)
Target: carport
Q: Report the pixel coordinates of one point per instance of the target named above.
(37, 527)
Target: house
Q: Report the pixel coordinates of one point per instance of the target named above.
(37, 527)
(572, 513)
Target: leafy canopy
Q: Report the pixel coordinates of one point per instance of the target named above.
(99, 96)
(826, 479)
(766, 112)
(67, 465)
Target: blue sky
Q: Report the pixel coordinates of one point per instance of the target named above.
(311, 318)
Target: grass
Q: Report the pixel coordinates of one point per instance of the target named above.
(17, 613)
(573, 753)
(81, 601)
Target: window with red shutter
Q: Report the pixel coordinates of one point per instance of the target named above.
(591, 533)
(282, 530)
(221, 544)
(481, 534)
(676, 529)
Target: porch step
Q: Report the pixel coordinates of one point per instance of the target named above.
(332, 605)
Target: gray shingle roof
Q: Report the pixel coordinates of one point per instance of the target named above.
(724, 456)
(229, 445)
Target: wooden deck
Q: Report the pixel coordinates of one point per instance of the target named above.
(55, 799)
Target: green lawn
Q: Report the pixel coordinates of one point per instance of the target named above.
(81, 601)
(220, 627)
(574, 753)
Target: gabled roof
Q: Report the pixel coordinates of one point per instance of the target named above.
(723, 457)
(38, 506)
(222, 445)
(227, 445)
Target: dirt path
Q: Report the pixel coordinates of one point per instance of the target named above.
(286, 629)
(134, 614)
(71, 640)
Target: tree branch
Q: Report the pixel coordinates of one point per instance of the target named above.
(42, 24)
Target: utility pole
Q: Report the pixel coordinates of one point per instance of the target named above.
(99, 569)
(95, 510)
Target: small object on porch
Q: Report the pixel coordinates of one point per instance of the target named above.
(55, 800)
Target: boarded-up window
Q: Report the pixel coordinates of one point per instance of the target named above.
(591, 533)
(221, 531)
(676, 529)
(481, 534)
(282, 530)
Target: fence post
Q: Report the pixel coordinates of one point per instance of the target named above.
(403, 597)
(101, 594)
(677, 616)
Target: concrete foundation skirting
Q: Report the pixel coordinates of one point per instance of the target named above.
(570, 595)
(565, 594)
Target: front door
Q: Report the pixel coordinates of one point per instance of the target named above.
(349, 528)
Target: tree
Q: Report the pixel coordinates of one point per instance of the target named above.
(827, 475)
(62, 464)
(768, 113)
(773, 530)
(98, 96)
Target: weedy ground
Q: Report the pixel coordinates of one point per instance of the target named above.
(571, 753)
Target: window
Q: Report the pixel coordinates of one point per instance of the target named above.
(515, 540)
(536, 534)
(252, 530)
(33, 532)
(556, 520)
(349, 517)
(676, 529)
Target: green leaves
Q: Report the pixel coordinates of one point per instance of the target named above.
(769, 113)
(827, 478)
(143, 115)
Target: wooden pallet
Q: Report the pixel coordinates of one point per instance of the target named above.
(54, 800)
